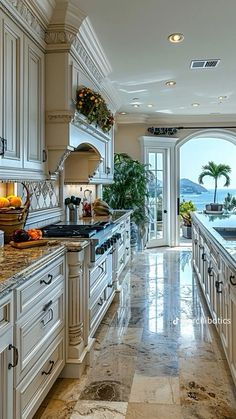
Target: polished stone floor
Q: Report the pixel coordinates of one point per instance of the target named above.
(156, 353)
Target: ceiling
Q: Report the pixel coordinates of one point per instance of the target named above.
(134, 36)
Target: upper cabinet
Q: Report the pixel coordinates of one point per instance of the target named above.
(11, 93)
(33, 107)
(21, 105)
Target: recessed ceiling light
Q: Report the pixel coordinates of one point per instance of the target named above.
(136, 105)
(195, 104)
(170, 83)
(222, 97)
(123, 113)
(150, 105)
(176, 38)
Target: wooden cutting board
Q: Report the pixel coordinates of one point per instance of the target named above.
(28, 244)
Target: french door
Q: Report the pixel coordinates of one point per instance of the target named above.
(157, 159)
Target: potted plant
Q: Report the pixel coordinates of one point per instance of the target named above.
(130, 190)
(215, 171)
(185, 209)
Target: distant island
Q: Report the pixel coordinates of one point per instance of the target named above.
(187, 186)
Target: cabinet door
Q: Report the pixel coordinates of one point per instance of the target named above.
(225, 315)
(11, 89)
(33, 107)
(6, 376)
(233, 332)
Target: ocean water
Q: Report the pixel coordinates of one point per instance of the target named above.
(207, 197)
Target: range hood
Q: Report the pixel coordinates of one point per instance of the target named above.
(75, 147)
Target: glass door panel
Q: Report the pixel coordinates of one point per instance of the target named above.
(157, 199)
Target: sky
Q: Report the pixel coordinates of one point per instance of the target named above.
(196, 153)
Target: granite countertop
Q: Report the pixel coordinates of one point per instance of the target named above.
(115, 217)
(17, 264)
(209, 222)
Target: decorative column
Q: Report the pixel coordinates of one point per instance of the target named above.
(76, 303)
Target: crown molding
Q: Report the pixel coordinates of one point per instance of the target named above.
(131, 118)
(177, 120)
(27, 16)
(90, 42)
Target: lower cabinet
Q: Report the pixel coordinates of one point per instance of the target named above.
(8, 358)
(34, 387)
(32, 340)
(218, 281)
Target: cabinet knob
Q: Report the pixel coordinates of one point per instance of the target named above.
(217, 285)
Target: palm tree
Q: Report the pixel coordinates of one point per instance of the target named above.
(216, 171)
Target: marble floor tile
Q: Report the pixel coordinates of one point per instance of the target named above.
(219, 411)
(126, 335)
(58, 409)
(99, 410)
(164, 390)
(153, 411)
(205, 382)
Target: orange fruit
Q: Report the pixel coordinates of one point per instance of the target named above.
(4, 202)
(15, 201)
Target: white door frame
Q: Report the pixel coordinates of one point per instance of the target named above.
(220, 134)
(168, 144)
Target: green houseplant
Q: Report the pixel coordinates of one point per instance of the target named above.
(215, 171)
(185, 209)
(129, 189)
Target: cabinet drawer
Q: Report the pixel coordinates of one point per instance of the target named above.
(37, 329)
(41, 283)
(121, 263)
(97, 275)
(6, 313)
(97, 308)
(34, 387)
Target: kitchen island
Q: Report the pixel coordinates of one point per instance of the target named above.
(214, 261)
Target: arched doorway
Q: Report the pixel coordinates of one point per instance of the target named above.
(217, 134)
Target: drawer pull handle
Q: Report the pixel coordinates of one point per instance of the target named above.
(203, 257)
(230, 278)
(112, 251)
(50, 277)
(15, 356)
(101, 267)
(46, 307)
(110, 285)
(50, 369)
(50, 312)
(101, 302)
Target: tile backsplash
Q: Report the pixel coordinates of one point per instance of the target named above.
(43, 195)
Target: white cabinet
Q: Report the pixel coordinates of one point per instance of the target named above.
(218, 281)
(8, 358)
(39, 335)
(22, 104)
(232, 326)
(11, 93)
(33, 106)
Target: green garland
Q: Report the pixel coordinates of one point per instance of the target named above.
(93, 106)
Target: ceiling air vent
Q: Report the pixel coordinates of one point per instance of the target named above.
(196, 64)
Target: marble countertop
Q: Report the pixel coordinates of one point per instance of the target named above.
(17, 264)
(210, 222)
